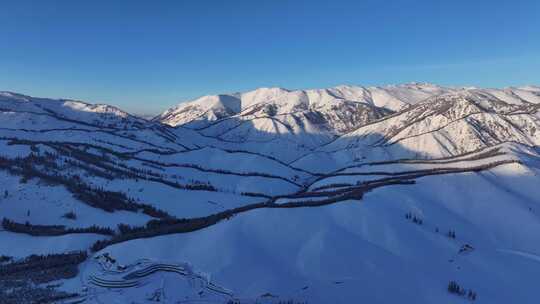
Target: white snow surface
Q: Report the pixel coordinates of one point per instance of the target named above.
(478, 147)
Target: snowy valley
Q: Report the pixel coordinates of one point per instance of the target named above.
(412, 193)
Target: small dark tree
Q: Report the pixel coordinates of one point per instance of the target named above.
(453, 287)
(5, 259)
(70, 215)
(124, 228)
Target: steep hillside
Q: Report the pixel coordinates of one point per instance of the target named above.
(441, 126)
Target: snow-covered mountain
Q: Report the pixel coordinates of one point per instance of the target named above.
(309, 121)
(336, 109)
(414, 192)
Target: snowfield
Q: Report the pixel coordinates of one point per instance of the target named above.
(340, 195)
(370, 244)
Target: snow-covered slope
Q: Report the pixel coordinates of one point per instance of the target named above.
(101, 115)
(342, 195)
(441, 126)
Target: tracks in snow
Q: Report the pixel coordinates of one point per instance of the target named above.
(137, 278)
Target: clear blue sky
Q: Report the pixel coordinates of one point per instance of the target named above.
(148, 55)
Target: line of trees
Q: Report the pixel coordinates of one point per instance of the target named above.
(96, 197)
(158, 227)
(172, 225)
(24, 291)
(107, 167)
(5, 259)
(51, 230)
(44, 268)
(413, 218)
(89, 158)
